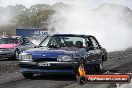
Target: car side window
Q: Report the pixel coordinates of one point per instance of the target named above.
(94, 42)
(88, 43)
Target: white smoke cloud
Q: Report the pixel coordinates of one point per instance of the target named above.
(110, 23)
(5, 18)
(89, 3)
(26, 3)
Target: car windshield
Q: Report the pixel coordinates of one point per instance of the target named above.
(8, 41)
(64, 41)
(37, 40)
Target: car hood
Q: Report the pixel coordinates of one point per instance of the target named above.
(7, 45)
(51, 52)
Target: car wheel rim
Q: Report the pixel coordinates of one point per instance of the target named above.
(101, 66)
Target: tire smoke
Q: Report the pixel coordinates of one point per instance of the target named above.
(110, 23)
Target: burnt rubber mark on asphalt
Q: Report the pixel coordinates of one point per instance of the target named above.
(49, 78)
(113, 70)
(14, 82)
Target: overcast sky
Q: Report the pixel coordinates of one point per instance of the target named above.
(28, 3)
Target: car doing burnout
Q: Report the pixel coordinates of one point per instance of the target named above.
(63, 54)
(10, 47)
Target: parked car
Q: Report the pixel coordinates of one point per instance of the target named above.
(63, 54)
(10, 47)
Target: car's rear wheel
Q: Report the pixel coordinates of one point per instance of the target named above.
(99, 67)
(27, 75)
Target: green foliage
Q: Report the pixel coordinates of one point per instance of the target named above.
(36, 16)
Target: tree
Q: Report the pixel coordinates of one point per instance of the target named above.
(36, 16)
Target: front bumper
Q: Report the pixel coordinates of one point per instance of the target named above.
(38, 71)
(54, 68)
(6, 54)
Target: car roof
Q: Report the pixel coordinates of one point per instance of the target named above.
(81, 35)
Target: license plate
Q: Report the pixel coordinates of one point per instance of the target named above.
(44, 64)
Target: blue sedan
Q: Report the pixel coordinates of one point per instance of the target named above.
(63, 54)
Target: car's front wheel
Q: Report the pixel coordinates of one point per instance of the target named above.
(27, 75)
(16, 55)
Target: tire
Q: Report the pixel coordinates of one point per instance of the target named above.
(106, 58)
(99, 67)
(16, 55)
(81, 80)
(27, 75)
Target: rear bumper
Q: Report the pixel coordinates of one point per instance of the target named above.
(54, 68)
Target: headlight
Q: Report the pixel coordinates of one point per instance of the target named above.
(64, 58)
(25, 57)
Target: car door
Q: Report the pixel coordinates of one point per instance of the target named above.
(97, 49)
(91, 56)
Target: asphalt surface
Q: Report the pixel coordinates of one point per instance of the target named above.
(119, 62)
